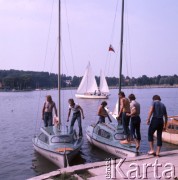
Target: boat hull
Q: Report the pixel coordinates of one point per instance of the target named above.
(83, 96)
(169, 137)
(59, 159)
(115, 150)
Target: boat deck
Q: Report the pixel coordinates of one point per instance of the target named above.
(53, 130)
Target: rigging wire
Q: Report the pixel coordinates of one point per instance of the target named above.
(54, 56)
(70, 42)
(71, 50)
(44, 63)
(112, 34)
(48, 36)
(128, 40)
(127, 56)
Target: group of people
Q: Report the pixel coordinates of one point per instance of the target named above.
(49, 120)
(128, 115)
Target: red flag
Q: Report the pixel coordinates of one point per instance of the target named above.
(111, 48)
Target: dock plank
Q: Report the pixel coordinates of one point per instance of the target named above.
(98, 170)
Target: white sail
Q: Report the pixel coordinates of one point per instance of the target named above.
(88, 83)
(115, 111)
(103, 83)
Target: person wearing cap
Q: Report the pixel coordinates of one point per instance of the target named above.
(156, 113)
(102, 113)
(47, 111)
(77, 112)
(124, 109)
(135, 120)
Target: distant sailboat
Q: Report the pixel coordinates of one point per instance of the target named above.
(88, 88)
(103, 84)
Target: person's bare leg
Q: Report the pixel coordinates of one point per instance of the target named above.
(158, 149)
(137, 144)
(151, 146)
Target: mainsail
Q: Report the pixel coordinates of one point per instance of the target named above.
(103, 84)
(88, 83)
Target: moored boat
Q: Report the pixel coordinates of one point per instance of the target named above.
(107, 137)
(56, 145)
(55, 142)
(170, 134)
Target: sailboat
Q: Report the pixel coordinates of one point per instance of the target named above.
(88, 88)
(104, 89)
(107, 136)
(54, 142)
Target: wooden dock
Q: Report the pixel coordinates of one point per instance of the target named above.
(140, 167)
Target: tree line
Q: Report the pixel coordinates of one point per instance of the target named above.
(20, 80)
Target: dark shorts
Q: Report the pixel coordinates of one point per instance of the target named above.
(135, 127)
(48, 119)
(156, 125)
(101, 119)
(125, 123)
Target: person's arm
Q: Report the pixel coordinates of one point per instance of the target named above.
(165, 120)
(149, 115)
(55, 109)
(43, 110)
(121, 107)
(106, 114)
(99, 111)
(68, 115)
(132, 111)
(81, 111)
(109, 117)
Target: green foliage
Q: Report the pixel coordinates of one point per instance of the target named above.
(20, 80)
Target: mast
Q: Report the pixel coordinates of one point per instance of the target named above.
(121, 50)
(59, 63)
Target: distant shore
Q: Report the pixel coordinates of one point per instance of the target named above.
(111, 87)
(136, 87)
(149, 86)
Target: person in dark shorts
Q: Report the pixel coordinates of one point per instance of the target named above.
(47, 112)
(124, 109)
(156, 114)
(135, 120)
(77, 112)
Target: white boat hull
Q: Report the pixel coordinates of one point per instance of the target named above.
(119, 152)
(82, 96)
(59, 159)
(169, 137)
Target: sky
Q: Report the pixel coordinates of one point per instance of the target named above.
(29, 36)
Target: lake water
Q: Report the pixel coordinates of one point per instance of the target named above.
(20, 119)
